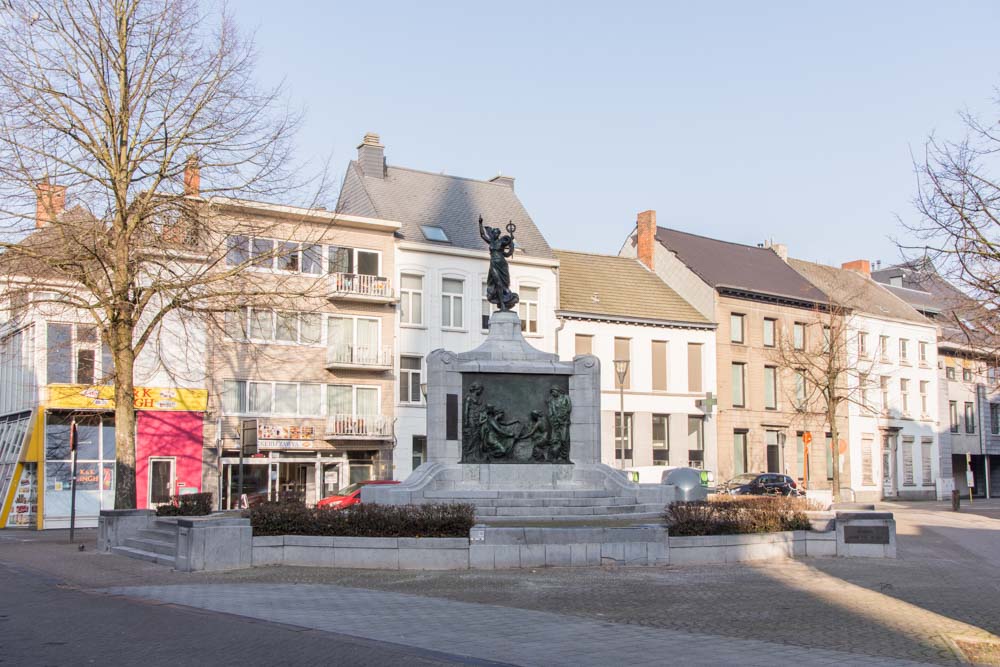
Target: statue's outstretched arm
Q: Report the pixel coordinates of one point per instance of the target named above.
(482, 232)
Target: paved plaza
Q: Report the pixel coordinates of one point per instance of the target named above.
(940, 597)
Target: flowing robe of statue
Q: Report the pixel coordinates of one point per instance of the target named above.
(560, 408)
(472, 442)
(498, 279)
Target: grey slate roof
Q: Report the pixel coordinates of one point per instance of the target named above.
(962, 319)
(613, 286)
(414, 198)
(741, 267)
(855, 291)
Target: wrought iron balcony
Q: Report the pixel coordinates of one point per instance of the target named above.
(358, 427)
(361, 357)
(360, 287)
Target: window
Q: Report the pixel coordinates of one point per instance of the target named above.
(234, 397)
(262, 253)
(883, 348)
(409, 379)
(694, 367)
(419, 450)
(922, 351)
(285, 398)
(736, 328)
(312, 259)
(867, 446)
(800, 389)
(738, 376)
(487, 310)
(949, 372)
(451, 302)
(351, 400)
(884, 390)
(433, 233)
(799, 336)
(772, 446)
(661, 440)
(527, 309)
(741, 462)
(923, 398)
(829, 456)
(995, 418)
(970, 418)
(863, 344)
(696, 441)
(904, 355)
(236, 324)
(346, 260)
(770, 387)
(355, 340)
(584, 344)
(926, 444)
(261, 397)
(953, 415)
(623, 444)
(288, 256)
(863, 386)
(411, 299)
(770, 331)
(907, 448)
(59, 353)
(72, 355)
(270, 326)
(827, 339)
(623, 350)
(904, 396)
(966, 375)
(237, 250)
(262, 324)
(659, 354)
(800, 456)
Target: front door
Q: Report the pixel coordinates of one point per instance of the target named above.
(161, 480)
(888, 466)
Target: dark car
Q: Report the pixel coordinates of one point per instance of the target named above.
(760, 484)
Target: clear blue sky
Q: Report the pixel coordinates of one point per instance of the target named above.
(739, 120)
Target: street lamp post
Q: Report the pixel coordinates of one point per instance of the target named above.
(621, 372)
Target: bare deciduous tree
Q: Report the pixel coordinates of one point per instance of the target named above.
(958, 229)
(126, 105)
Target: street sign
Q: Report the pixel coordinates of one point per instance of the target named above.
(248, 438)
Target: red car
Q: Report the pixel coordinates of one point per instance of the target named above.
(350, 495)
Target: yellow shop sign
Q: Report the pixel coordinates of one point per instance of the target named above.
(82, 397)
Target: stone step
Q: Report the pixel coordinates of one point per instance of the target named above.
(598, 510)
(555, 502)
(163, 547)
(651, 517)
(158, 534)
(537, 494)
(140, 554)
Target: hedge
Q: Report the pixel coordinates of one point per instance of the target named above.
(190, 504)
(735, 516)
(362, 520)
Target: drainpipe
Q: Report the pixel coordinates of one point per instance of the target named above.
(562, 322)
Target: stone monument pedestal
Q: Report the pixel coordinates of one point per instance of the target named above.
(517, 385)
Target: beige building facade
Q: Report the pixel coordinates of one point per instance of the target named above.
(308, 372)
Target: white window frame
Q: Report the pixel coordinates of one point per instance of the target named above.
(354, 259)
(75, 346)
(354, 397)
(450, 298)
(407, 373)
(741, 329)
(525, 306)
(408, 295)
(271, 412)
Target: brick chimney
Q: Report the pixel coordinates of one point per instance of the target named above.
(862, 266)
(192, 177)
(371, 156)
(646, 237)
(50, 202)
(503, 180)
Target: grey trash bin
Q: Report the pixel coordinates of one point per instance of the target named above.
(688, 483)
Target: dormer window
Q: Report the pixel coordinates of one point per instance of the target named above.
(432, 233)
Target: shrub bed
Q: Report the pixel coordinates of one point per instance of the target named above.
(190, 504)
(736, 516)
(294, 518)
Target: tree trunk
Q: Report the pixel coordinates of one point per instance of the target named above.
(835, 453)
(125, 498)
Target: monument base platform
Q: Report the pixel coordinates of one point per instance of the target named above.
(528, 492)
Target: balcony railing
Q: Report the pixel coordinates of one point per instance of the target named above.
(359, 426)
(359, 356)
(360, 286)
